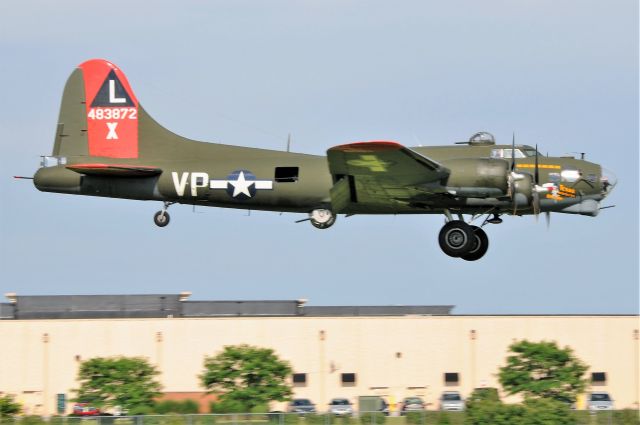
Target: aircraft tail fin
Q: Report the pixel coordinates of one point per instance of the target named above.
(100, 116)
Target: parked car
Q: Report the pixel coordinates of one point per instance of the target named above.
(372, 403)
(340, 407)
(411, 404)
(451, 400)
(301, 405)
(599, 401)
(85, 409)
(384, 408)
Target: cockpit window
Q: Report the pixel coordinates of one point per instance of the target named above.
(530, 152)
(506, 153)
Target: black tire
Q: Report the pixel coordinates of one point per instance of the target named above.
(456, 238)
(323, 225)
(161, 219)
(479, 247)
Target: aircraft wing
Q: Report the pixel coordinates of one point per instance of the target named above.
(380, 174)
(114, 170)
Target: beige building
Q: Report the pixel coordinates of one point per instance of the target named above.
(335, 351)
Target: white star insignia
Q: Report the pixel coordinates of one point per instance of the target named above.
(241, 185)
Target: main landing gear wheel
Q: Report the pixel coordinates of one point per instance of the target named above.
(161, 218)
(322, 218)
(456, 238)
(479, 246)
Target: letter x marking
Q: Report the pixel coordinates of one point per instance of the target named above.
(112, 131)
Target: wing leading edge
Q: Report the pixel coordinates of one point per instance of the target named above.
(379, 175)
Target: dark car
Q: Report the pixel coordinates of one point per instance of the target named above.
(301, 405)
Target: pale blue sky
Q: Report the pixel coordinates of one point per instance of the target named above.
(562, 74)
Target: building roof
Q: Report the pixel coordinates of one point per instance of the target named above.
(172, 305)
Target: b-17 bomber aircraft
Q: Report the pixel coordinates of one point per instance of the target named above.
(107, 145)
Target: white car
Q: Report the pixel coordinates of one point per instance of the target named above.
(599, 401)
(340, 407)
(451, 400)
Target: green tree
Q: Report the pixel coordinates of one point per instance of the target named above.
(8, 407)
(250, 376)
(547, 412)
(484, 407)
(481, 394)
(543, 370)
(184, 407)
(531, 412)
(127, 382)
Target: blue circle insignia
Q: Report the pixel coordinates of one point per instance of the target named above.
(241, 184)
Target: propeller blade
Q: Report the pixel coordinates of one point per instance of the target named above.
(513, 152)
(536, 181)
(536, 203)
(512, 180)
(536, 175)
(513, 195)
(547, 216)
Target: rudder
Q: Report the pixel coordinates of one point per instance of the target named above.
(98, 114)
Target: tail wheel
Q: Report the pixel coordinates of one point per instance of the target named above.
(479, 247)
(456, 238)
(161, 218)
(322, 218)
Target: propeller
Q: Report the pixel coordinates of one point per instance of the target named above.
(512, 174)
(535, 199)
(513, 152)
(536, 175)
(536, 189)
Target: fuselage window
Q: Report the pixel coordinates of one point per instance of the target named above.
(286, 174)
(52, 161)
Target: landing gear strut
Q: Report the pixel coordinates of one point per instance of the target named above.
(459, 239)
(162, 218)
(322, 218)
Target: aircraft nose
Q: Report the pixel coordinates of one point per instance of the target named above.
(608, 181)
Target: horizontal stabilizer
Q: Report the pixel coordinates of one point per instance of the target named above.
(115, 170)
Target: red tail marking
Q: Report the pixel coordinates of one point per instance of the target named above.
(112, 111)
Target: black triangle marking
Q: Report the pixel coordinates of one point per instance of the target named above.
(116, 96)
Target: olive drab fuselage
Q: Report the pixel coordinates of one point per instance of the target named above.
(107, 145)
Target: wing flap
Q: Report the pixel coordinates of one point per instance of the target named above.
(115, 170)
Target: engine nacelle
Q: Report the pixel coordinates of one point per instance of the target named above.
(523, 189)
(477, 177)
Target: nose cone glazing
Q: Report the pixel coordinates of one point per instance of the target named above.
(608, 181)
